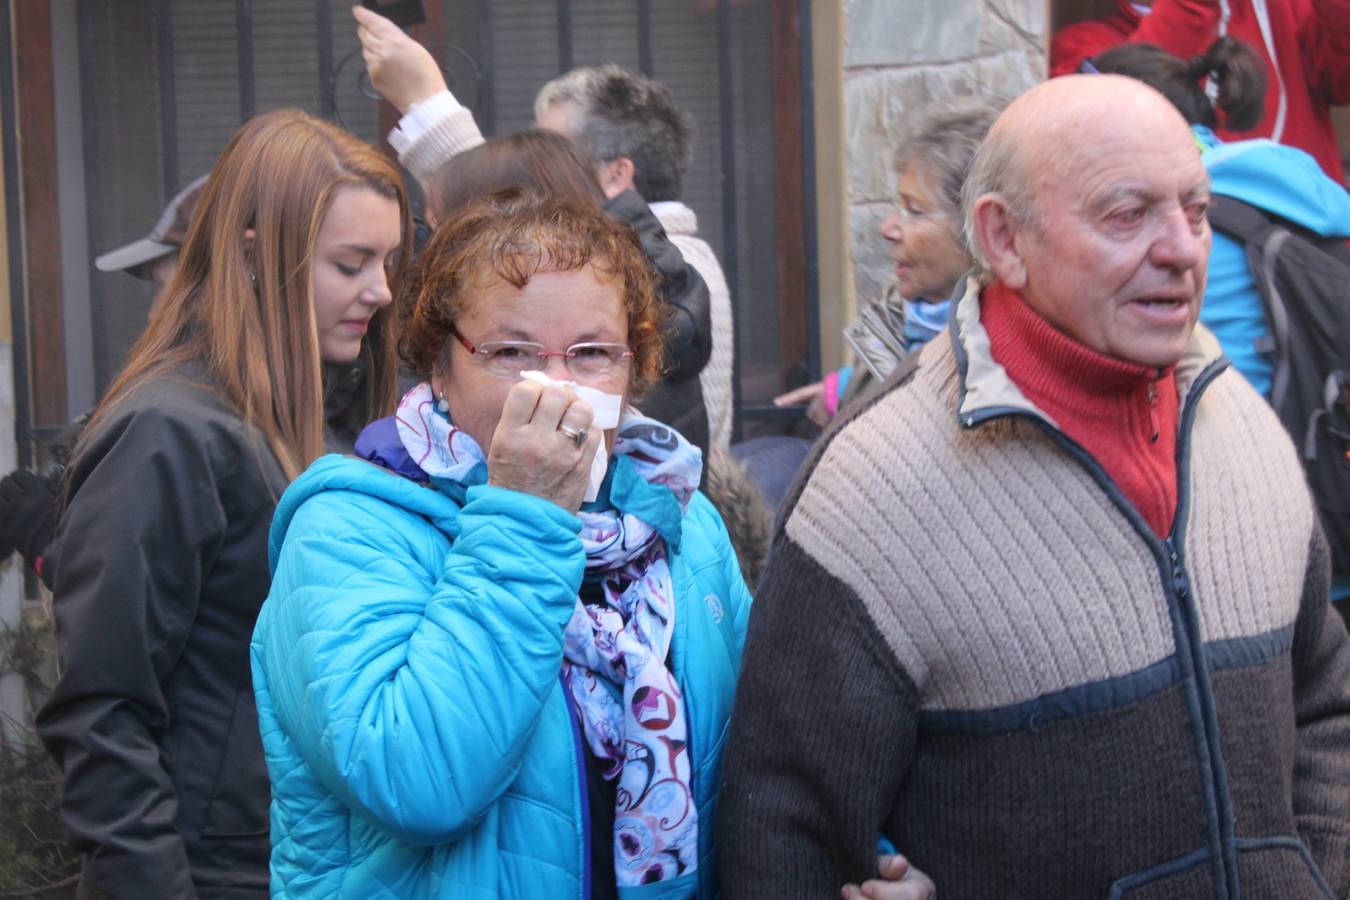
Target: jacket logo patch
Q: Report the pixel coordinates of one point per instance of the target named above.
(715, 608)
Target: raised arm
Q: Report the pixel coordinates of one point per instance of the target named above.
(435, 128)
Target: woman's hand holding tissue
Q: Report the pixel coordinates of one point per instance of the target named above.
(531, 454)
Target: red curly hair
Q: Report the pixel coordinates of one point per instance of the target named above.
(509, 237)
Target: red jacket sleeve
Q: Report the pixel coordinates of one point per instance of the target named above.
(1326, 54)
(1181, 27)
(1074, 43)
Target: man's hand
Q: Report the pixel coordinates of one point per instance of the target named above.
(28, 514)
(402, 70)
(899, 881)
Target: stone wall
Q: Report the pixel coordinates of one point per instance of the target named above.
(901, 55)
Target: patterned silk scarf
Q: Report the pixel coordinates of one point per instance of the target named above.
(618, 673)
(616, 654)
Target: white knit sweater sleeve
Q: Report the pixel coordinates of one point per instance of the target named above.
(716, 376)
(432, 133)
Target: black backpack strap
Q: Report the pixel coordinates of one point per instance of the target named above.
(1237, 219)
(1247, 223)
(1262, 239)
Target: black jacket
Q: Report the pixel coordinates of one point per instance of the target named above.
(344, 414)
(678, 399)
(163, 551)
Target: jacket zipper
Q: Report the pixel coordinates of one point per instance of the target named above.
(1186, 626)
(680, 672)
(583, 791)
(1190, 650)
(1228, 886)
(693, 776)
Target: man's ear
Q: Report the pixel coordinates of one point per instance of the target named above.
(616, 176)
(996, 237)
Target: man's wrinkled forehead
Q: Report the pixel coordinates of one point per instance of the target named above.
(1111, 145)
(1092, 166)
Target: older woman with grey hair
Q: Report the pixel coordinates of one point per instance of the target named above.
(926, 244)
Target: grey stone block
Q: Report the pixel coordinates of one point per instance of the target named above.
(872, 268)
(881, 107)
(1013, 25)
(907, 32)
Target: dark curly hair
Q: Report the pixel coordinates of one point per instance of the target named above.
(510, 236)
(1234, 67)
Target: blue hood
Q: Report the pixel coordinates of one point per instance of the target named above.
(1301, 192)
(347, 473)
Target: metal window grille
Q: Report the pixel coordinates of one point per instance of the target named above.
(165, 82)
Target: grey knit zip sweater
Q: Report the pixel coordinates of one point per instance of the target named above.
(968, 641)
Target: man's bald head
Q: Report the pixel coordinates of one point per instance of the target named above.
(1088, 198)
(1043, 135)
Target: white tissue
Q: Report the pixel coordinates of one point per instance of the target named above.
(608, 408)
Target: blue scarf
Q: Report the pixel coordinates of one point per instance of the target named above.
(924, 320)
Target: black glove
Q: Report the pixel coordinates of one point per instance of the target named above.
(28, 514)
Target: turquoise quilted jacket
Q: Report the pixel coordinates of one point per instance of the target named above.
(407, 670)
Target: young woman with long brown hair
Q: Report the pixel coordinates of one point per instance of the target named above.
(286, 269)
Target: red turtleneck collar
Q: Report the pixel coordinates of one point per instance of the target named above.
(1124, 414)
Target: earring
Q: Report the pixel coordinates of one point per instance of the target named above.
(442, 404)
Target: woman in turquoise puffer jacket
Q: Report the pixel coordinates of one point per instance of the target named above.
(472, 682)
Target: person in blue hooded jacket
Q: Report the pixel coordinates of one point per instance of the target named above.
(471, 681)
(1283, 181)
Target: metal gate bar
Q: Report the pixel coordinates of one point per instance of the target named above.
(810, 240)
(487, 101)
(564, 35)
(243, 18)
(168, 98)
(730, 225)
(9, 141)
(644, 11)
(323, 20)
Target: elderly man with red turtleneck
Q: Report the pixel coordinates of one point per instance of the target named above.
(1049, 610)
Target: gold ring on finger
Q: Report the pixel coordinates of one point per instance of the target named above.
(576, 434)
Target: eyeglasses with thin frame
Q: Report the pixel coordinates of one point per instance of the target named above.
(908, 215)
(592, 359)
